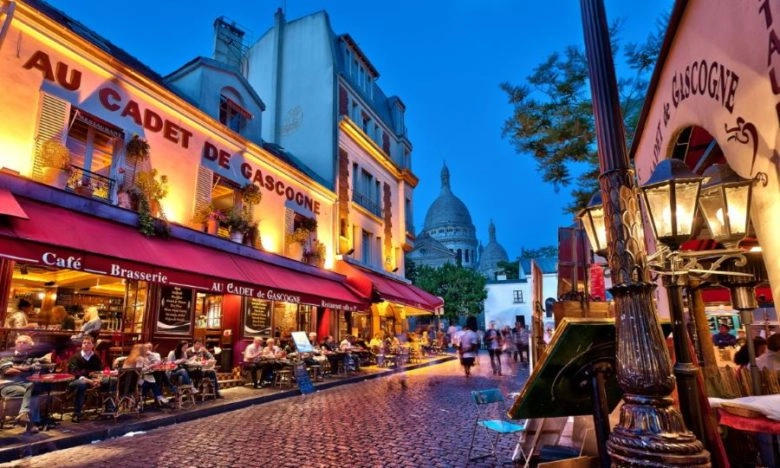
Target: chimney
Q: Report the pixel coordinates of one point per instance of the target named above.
(228, 43)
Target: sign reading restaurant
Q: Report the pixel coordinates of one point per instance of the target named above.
(147, 118)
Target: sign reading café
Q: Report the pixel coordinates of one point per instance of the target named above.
(152, 121)
(721, 73)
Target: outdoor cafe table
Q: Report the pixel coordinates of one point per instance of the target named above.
(49, 380)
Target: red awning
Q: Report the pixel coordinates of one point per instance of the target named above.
(59, 237)
(9, 206)
(389, 289)
(718, 295)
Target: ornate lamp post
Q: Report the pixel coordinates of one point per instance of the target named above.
(651, 431)
(670, 197)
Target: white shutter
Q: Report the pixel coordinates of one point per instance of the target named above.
(203, 190)
(52, 124)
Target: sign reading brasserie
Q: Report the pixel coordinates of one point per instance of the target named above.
(175, 314)
(257, 317)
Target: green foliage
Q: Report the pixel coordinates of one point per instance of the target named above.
(511, 269)
(55, 154)
(238, 221)
(208, 212)
(137, 150)
(548, 251)
(251, 194)
(463, 289)
(552, 118)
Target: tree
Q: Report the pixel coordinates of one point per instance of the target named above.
(511, 269)
(462, 289)
(552, 118)
(548, 251)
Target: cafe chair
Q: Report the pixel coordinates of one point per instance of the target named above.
(9, 408)
(490, 422)
(125, 396)
(283, 377)
(538, 433)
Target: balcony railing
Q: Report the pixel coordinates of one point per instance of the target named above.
(366, 202)
(90, 183)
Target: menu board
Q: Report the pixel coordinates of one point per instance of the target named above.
(175, 314)
(257, 317)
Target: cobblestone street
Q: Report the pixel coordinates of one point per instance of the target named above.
(418, 418)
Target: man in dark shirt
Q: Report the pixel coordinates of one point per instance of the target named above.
(82, 364)
(723, 338)
(15, 368)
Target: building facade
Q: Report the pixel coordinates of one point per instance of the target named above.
(101, 147)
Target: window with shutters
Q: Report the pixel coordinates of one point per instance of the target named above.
(51, 126)
(92, 144)
(231, 111)
(365, 247)
(222, 194)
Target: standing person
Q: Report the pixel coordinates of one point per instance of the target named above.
(19, 319)
(493, 342)
(522, 338)
(468, 345)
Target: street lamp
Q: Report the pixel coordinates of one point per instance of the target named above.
(651, 431)
(670, 196)
(592, 219)
(724, 201)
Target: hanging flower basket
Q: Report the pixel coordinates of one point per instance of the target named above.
(250, 194)
(137, 150)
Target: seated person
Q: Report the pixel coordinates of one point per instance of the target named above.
(81, 365)
(138, 359)
(347, 345)
(377, 344)
(329, 344)
(16, 367)
(92, 325)
(178, 356)
(160, 376)
(252, 355)
(269, 360)
(723, 338)
(201, 361)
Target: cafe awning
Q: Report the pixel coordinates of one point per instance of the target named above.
(367, 282)
(62, 238)
(9, 206)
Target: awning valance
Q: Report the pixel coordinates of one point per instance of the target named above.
(58, 237)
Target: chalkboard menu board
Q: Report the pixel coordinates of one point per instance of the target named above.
(303, 379)
(175, 314)
(257, 317)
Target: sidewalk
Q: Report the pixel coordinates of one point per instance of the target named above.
(15, 444)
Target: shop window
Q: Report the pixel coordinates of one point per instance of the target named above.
(92, 145)
(208, 311)
(121, 304)
(517, 296)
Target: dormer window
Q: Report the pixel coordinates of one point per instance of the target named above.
(231, 112)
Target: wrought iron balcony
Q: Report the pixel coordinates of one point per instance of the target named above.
(366, 202)
(90, 183)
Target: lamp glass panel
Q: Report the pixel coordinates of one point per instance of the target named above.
(685, 197)
(658, 200)
(587, 224)
(737, 204)
(600, 228)
(713, 207)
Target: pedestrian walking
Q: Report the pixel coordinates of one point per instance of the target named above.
(493, 342)
(468, 345)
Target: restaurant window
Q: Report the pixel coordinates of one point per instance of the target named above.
(517, 296)
(231, 112)
(208, 310)
(121, 304)
(92, 145)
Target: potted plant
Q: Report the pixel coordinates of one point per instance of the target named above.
(210, 216)
(238, 223)
(295, 242)
(308, 224)
(55, 163)
(250, 194)
(137, 150)
(316, 254)
(149, 187)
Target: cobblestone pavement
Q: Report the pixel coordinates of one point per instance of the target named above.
(419, 418)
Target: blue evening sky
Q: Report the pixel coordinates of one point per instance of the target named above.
(444, 59)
